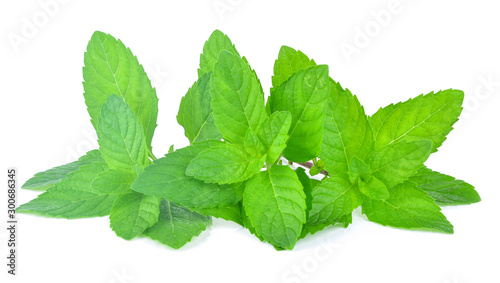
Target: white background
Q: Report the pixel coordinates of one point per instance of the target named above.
(411, 47)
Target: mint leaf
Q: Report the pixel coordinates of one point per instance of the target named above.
(111, 68)
(274, 133)
(216, 43)
(396, 162)
(229, 212)
(133, 213)
(195, 112)
(46, 179)
(307, 187)
(121, 138)
(114, 181)
(289, 62)
(237, 98)
(347, 132)
(275, 204)
(427, 117)
(224, 164)
(370, 186)
(332, 199)
(166, 179)
(305, 96)
(407, 207)
(358, 170)
(444, 189)
(73, 197)
(177, 225)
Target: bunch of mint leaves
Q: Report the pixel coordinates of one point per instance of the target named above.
(234, 168)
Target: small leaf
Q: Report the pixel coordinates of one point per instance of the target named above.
(407, 207)
(133, 213)
(166, 179)
(195, 113)
(334, 198)
(224, 164)
(444, 189)
(177, 225)
(274, 133)
(229, 212)
(289, 62)
(114, 181)
(373, 188)
(274, 201)
(216, 43)
(73, 197)
(46, 179)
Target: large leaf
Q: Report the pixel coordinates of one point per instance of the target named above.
(427, 117)
(166, 179)
(121, 138)
(195, 112)
(46, 179)
(111, 68)
(133, 213)
(444, 189)
(274, 201)
(224, 164)
(237, 98)
(407, 207)
(305, 96)
(347, 132)
(73, 197)
(396, 162)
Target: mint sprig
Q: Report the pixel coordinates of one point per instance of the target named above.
(236, 166)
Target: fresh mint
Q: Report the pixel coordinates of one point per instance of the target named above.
(251, 160)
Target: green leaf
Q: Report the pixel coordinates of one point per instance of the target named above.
(274, 202)
(427, 117)
(166, 179)
(305, 96)
(216, 43)
(407, 207)
(444, 189)
(121, 138)
(195, 112)
(289, 62)
(373, 188)
(111, 68)
(73, 197)
(358, 170)
(224, 164)
(46, 179)
(237, 98)
(273, 133)
(307, 186)
(133, 213)
(177, 225)
(347, 132)
(114, 181)
(229, 212)
(334, 198)
(396, 162)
